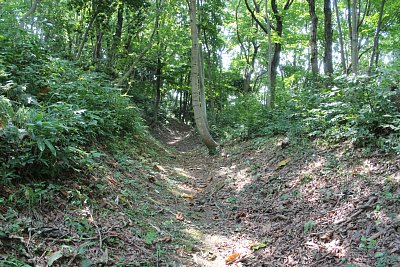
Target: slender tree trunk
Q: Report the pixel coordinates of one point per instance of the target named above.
(268, 99)
(144, 51)
(85, 35)
(117, 35)
(374, 54)
(98, 44)
(354, 37)
(328, 63)
(313, 37)
(31, 10)
(209, 77)
(277, 47)
(202, 86)
(157, 96)
(199, 116)
(341, 43)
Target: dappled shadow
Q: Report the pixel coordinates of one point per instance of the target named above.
(277, 206)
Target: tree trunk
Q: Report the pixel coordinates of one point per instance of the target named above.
(354, 37)
(31, 10)
(269, 64)
(313, 37)
(277, 47)
(209, 77)
(85, 35)
(341, 43)
(157, 96)
(199, 116)
(374, 54)
(328, 63)
(97, 47)
(117, 35)
(144, 51)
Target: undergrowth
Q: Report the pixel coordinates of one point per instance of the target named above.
(364, 111)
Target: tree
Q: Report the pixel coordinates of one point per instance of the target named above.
(328, 63)
(341, 42)
(374, 54)
(197, 97)
(313, 37)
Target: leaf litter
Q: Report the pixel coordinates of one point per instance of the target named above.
(258, 203)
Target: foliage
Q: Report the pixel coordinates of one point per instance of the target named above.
(363, 110)
(52, 112)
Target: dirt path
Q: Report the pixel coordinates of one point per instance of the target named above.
(261, 203)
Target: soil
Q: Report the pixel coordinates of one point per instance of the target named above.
(273, 203)
(260, 202)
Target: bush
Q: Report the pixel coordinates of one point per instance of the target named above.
(51, 113)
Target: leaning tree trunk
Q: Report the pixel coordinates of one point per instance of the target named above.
(376, 39)
(31, 10)
(85, 35)
(199, 116)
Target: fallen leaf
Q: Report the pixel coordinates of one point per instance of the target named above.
(211, 256)
(282, 163)
(187, 196)
(257, 246)
(167, 239)
(53, 257)
(232, 258)
(179, 216)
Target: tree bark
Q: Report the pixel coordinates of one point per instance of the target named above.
(98, 45)
(328, 63)
(354, 37)
(341, 43)
(157, 96)
(117, 35)
(85, 35)
(31, 10)
(144, 51)
(374, 55)
(267, 93)
(199, 115)
(313, 38)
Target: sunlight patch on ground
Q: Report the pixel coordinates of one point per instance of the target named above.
(182, 172)
(368, 167)
(241, 177)
(219, 247)
(178, 139)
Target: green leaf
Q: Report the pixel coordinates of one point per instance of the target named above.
(86, 262)
(51, 147)
(380, 255)
(150, 237)
(41, 145)
(308, 226)
(53, 257)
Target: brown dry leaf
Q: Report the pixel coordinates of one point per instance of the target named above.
(179, 216)
(232, 258)
(282, 163)
(151, 179)
(64, 193)
(167, 239)
(111, 180)
(211, 256)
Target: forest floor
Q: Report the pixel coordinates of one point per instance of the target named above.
(260, 202)
(269, 203)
